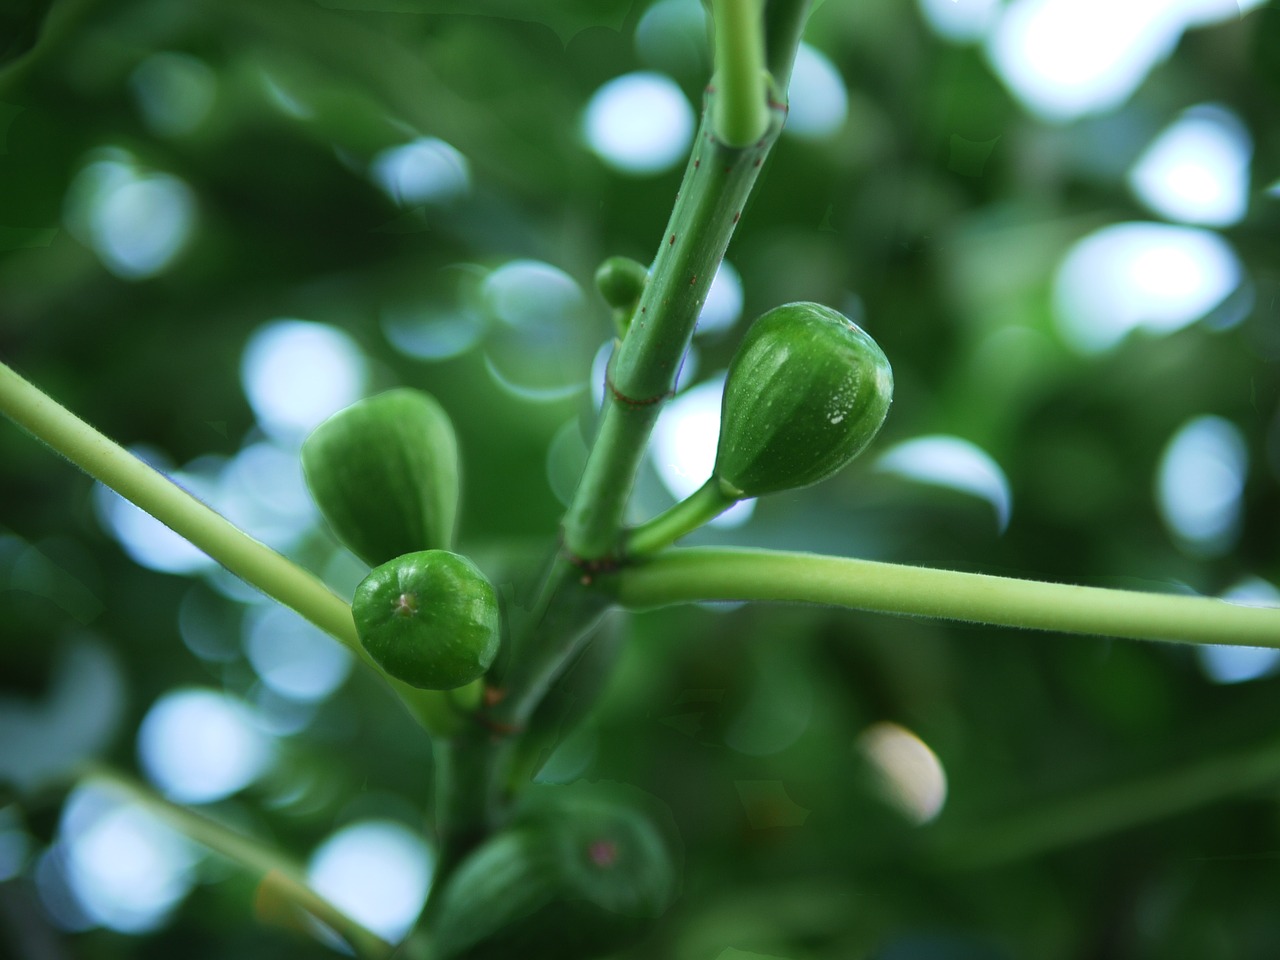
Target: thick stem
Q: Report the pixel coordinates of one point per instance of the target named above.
(704, 504)
(255, 858)
(694, 574)
(251, 561)
(741, 107)
(643, 372)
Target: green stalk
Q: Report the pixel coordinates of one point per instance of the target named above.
(1088, 816)
(742, 110)
(703, 505)
(696, 574)
(251, 561)
(255, 858)
(643, 371)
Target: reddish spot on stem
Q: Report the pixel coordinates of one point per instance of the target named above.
(697, 164)
(736, 215)
(672, 241)
(603, 853)
(693, 280)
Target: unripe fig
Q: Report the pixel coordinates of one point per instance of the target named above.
(580, 873)
(384, 473)
(429, 618)
(807, 391)
(620, 281)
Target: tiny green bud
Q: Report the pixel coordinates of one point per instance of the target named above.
(807, 391)
(384, 473)
(429, 618)
(620, 281)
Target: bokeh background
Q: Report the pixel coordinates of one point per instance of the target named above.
(221, 221)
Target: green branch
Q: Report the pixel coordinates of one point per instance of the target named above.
(1071, 820)
(694, 574)
(255, 858)
(741, 106)
(251, 561)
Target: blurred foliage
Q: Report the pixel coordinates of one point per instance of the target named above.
(1085, 814)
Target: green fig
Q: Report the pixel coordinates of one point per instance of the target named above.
(384, 472)
(806, 392)
(620, 281)
(581, 872)
(430, 619)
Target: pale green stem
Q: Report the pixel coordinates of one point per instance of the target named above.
(254, 857)
(741, 107)
(1088, 816)
(251, 561)
(704, 504)
(695, 574)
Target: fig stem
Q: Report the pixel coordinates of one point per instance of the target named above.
(703, 505)
(741, 107)
(642, 372)
(250, 854)
(251, 561)
(692, 574)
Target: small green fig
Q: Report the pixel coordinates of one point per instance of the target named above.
(806, 392)
(620, 281)
(429, 618)
(384, 473)
(582, 871)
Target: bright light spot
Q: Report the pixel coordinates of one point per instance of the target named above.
(136, 221)
(960, 20)
(672, 36)
(1149, 276)
(146, 540)
(723, 305)
(537, 348)
(1231, 664)
(530, 293)
(127, 869)
(818, 101)
(430, 334)
(262, 491)
(910, 773)
(297, 373)
(1200, 482)
(1067, 58)
(293, 657)
(198, 746)
(947, 461)
(378, 872)
(1197, 170)
(175, 92)
(76, 720)
(426, 170)
(684, 446)
(640, 123)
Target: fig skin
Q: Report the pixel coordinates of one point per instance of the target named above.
(806, 392)
(430, 619)
(384, 473)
